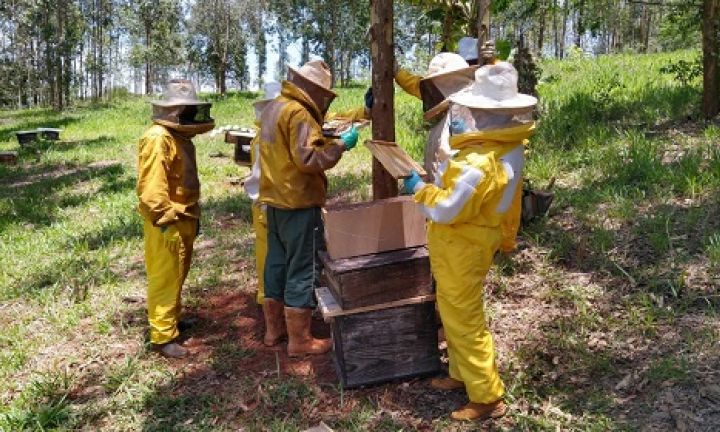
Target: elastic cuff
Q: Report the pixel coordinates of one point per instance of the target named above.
(168, 217)
(419, 185)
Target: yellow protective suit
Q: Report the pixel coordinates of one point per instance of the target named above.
(166, 272)
(466, 210)
(409, 82)
(169, 190)
(294, 154)
(259, 215)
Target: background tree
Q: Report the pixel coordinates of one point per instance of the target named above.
(156, 26)
(711, 54)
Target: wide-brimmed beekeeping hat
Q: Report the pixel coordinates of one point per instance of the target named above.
(495, 88)
(315, 79)
(180, 109)
(179, 92)
(447, 74)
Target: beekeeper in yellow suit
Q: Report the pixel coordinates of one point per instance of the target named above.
(294, 156)
(252, 189)
(169, 192)
(466, 207)
(252, 183)
(447, 73)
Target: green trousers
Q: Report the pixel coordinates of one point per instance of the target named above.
(291, 267)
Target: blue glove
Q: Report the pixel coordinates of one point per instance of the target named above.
(457, 126)
(369, 99)
(409, 183)
(350, 138)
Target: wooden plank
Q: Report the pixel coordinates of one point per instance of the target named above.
(372, 227)
(382, 52)
(387, 344)
(372, 260)
(330, 308)
(398, 163)
(338, 125)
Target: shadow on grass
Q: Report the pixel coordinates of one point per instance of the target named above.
(37, 196)
(235, 380)
(583, 115)
(30, 121)
(601, 351)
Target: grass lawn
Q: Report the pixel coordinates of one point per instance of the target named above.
(607, 318)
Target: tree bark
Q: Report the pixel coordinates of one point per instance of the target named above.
(579, 24)
(148, 66)
(541, 31)
(382, 49)
(555, 29)
(566, 11)
(483, 25)
(711, 50)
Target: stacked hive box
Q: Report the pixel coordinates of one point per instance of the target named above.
(379, 296)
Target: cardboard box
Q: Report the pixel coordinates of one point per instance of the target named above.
(372, 227)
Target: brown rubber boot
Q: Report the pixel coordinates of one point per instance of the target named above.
(478, 411)
(446, 384)
(300, 340)
(171, 350)
(275, 330)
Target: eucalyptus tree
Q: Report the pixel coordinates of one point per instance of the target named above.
(157, 29)
(217, 39)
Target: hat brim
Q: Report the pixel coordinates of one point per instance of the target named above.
(179, 103)
(462, 71)
(519, 102)
(302, 77)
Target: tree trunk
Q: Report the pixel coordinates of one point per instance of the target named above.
(148, 66)
(579, 24)
(382, 49)
(447, 32)
(483, 25)
(566, 10)
(541, 31)
(648, 28)
(711, 51)
(556, 37)
(101, 48)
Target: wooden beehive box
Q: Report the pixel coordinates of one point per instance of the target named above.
(8, 157)
(378, 278)
(382, 343)
(50, 134)
(241, 140)
(375, 226)
(26, 137)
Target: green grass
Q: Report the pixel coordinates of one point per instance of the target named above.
(610, 283)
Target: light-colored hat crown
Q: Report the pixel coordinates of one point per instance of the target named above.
(495, 87)
(468, 48)
(444, 63)
(498, 82)
(318, 72)
(179, 92)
